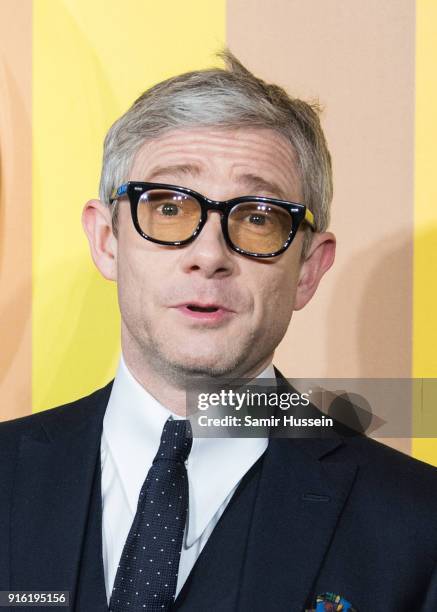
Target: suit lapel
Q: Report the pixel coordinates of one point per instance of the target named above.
(299, 503)
(53, 487)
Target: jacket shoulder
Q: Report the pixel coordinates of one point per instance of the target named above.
(395, 483)
(65, 415)
(373, 455)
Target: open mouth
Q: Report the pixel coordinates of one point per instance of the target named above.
(208, 314)
(195, 308)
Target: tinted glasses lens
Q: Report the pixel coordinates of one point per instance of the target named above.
(167, 215)
(259, 228)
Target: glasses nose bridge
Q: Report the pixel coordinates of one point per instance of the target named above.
(218, 206)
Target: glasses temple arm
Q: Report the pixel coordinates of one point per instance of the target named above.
(309, 218)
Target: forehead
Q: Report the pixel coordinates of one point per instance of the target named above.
(240, 155)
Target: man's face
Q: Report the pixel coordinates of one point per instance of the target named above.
(162, 290)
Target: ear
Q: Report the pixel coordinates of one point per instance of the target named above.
(318, 261)
(97, 223)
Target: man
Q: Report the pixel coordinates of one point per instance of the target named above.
(212, 220)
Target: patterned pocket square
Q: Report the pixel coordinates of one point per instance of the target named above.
(330, 602)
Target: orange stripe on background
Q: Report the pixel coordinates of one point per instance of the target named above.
(15, 207)
(357, 59)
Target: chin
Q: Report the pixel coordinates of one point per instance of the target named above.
(209, 366)
(203, 366)
(183, 358)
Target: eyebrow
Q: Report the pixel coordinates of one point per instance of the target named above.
(176, 169)
(254, 183)
(261, 185)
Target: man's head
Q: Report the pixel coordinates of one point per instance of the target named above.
(202, 308)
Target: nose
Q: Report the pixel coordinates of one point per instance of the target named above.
(208, 254)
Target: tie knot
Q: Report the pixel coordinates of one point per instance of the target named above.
(176, 441)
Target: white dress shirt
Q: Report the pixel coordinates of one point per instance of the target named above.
(132, 429)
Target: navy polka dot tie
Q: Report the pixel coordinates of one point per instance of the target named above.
(148, 571)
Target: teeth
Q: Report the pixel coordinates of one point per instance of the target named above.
(200, 309)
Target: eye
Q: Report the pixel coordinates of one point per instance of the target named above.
(169, 209)
(257, 219)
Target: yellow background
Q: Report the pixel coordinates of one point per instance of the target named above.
(425, 208)
(90, 61)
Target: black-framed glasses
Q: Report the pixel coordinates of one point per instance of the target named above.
(251, 225)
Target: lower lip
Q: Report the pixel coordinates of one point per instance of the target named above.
(200, 315)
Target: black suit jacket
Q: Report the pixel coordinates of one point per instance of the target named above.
(343, 515)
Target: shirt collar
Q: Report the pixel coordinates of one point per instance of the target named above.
(132, 429)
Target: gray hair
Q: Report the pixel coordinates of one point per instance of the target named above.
(230, 97)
